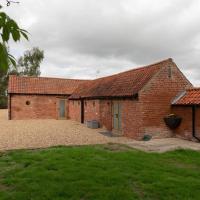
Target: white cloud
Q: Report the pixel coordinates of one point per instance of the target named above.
(81, 38)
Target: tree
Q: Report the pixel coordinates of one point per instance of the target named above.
(8, 28)
(3, 88)
(29, 63)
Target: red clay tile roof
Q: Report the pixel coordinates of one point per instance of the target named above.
(42, 85)
(189, 97)
(124, 84)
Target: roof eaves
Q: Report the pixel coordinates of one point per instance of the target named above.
(178, 97)
(134, 96)
(32, 93)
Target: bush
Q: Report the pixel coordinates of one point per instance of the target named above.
(3, 102)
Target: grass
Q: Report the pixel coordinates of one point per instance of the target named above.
(99, 172)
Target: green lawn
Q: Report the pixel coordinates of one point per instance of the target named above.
(99, 172)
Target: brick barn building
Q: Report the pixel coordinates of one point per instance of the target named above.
(39, 97)
(131, 103)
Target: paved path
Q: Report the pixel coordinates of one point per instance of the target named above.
(163, 145)
(20, 134)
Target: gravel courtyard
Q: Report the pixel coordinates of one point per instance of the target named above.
(19, 134)
(23, 134)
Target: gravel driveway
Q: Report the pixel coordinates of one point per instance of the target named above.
(19, 134)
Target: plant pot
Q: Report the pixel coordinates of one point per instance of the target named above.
(172, 121)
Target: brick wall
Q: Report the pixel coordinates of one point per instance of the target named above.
(100, 110)
(106, 114)
(132, 119)
(156, 99)
(197, 122)
(91, 110)
(74, 110)
(144, 115)
(185, 128)
(40, 107)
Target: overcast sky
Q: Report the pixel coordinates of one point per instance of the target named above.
(93, 38)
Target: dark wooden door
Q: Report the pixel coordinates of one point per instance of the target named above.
(82, 111)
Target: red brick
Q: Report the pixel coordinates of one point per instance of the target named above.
(143, 115)
(41, 106)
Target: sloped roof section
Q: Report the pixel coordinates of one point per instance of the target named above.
(189, 97)
(42, 85)
(125, 84)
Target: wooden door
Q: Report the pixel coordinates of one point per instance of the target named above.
(117, 116)
(62, 111)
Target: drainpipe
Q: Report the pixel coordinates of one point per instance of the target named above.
(193, 122)
(9, 106)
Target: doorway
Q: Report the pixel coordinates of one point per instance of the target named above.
(82, 111)
(117, 117)
(62, 111)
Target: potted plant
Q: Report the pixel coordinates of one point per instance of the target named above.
(172, 121)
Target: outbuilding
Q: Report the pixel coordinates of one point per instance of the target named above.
(39, 97)
(187, 105)
(133, 103)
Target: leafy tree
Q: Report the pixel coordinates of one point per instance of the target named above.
(29, 63)
(8, 28)
(3, 88)
(4, 75)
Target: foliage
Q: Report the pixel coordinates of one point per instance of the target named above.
(3, 88)
(29, 63)
(8, 28)
(99, 172)
(3, 102)
(4, 74)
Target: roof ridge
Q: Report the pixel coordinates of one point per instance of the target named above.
(124, 84)
(138, 68)
(43, 77)
(134, 69)
(42, 85)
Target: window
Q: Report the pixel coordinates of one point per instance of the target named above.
(85, 103)
(28, 103)
(93, 103)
